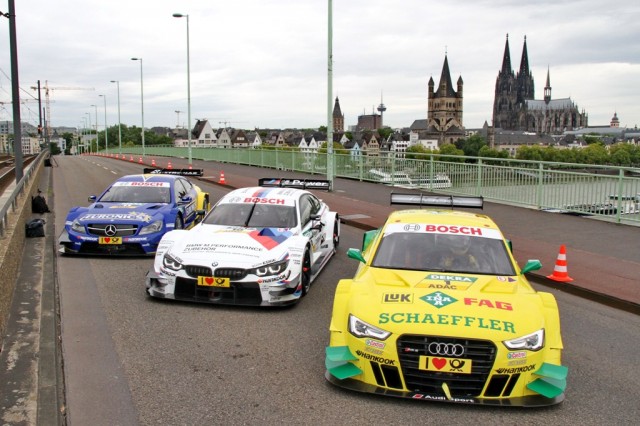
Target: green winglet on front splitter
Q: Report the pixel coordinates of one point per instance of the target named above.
(338, 362)
(552, 381)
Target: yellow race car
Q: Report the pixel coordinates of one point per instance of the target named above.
(440, 310)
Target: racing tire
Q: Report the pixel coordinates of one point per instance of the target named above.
(305, 272)
(336, 234)
(179, 223)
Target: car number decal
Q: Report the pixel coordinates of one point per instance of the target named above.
(445, 365)
(214, 282)
(110, 240)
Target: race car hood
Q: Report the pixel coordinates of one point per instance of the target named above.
(112, 212)
(240, 247)
(496, 307)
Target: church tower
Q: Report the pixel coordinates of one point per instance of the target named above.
(338, 117)
(524, 78)
(506, 95)
(445, 104)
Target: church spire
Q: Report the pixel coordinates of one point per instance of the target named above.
(524, 61)
(506, 58)
(445, 87)
(547, 89)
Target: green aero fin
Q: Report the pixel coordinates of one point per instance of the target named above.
(552, 381)
(337, 362)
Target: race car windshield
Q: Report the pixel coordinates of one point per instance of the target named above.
(443, 253)
(252, 215)
(131, 194)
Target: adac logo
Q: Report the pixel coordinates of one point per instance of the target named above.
(438, 299)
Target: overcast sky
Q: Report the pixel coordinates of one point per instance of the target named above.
(263, 63)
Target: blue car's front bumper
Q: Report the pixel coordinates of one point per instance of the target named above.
(75, 243)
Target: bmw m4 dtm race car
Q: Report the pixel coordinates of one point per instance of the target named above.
(262, 246)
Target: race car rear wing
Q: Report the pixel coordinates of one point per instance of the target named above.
(436, 200)
(180, 172)
(296, 183)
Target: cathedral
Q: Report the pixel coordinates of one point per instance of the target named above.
(514, 106)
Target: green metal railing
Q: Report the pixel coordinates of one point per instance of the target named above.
(611, 193)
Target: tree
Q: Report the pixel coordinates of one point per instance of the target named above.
(385, 132)
(450, 149)
(472, 145)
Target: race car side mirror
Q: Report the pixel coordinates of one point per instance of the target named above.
(92, 198)
(532, 265)
(356, 254)
(185, 200)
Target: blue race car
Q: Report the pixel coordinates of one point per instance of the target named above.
(133, 213)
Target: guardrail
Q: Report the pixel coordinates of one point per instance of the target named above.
(8, 204)
(607, 192)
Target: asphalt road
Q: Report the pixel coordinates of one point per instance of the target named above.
(132, 360)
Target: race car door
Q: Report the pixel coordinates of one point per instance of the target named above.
(309, 208)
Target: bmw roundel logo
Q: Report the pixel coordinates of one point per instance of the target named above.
(214, 264)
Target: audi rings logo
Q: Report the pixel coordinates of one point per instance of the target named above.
(446, 349)
(110, 230)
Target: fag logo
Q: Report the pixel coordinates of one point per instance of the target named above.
(438, 299)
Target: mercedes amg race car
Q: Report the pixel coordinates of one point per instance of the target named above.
(260, 246)
(133, 213)
(439, 310)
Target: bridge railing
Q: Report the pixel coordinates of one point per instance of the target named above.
(609, 192)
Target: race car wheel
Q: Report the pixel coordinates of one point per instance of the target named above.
(179, 224)
(305, 275)
(336, 234)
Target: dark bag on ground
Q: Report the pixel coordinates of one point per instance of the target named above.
(39, 204)
(35, 228)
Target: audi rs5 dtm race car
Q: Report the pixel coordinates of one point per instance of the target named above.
(259, 246)
(439, 310)
(133, 213)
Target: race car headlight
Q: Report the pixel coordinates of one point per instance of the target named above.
(171, 262)
(275, 268)
(78, 227)
(531, 342)
(359, 328)
(151, 228)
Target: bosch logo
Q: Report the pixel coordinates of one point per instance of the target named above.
(110, 230)
(446, 349)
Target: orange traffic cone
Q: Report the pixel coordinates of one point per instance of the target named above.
(169, 166)
(190, 167)
(222, 180)
(131, 158)
(153, 162)
(140, 160)
(560, 269)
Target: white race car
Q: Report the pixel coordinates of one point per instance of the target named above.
(261, 246)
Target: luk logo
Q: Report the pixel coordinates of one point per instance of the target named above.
(397, 298)
(438, 299)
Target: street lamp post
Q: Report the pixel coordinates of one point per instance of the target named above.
(97, 140)
(141, 101)
(89, 120)
(180, 15)
(330, 157)
(106, 135)
(119, 129)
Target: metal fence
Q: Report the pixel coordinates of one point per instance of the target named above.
(606, 192)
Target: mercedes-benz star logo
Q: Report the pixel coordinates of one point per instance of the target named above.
(446, 349)
(110, 230)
